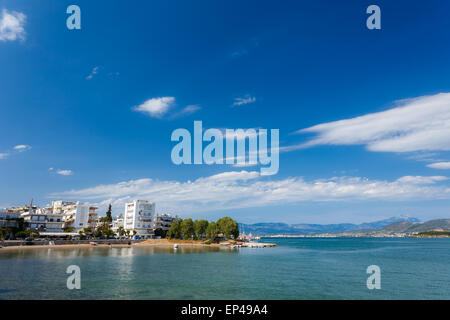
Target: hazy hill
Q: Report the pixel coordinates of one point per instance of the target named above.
(400, 226)
(283, 228)
(408, 227)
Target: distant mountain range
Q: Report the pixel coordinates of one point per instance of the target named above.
(272, 228)
(408, 227)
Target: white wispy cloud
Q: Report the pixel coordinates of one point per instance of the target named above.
(422, 180)
(156, 107)
(64, 172)
(439, 165)
(22, 147)
(93, 73)
(243, 189)
(12, 25)
(419, 124)
(242, 101)
(188, 110)
(15, 150)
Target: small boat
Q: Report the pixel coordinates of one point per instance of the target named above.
(92, 243)
(175, 246)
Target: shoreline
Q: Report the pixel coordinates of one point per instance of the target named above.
(159, 243)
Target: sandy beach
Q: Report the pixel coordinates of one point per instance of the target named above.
(147, 243)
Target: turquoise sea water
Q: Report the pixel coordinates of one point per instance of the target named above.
(296, 269)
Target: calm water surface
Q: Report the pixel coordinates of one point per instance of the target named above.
(296, 269)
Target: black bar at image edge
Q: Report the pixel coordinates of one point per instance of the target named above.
(229, 309)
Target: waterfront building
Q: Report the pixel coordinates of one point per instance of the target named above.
(139, 218)
(163, 221)
(93, 216)
(116, 224)
(43, 220)
(76, 215)
(53, 221)
(8, 218)
(35, 219)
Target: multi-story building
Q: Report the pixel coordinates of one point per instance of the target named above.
(9, 218)
(163, 221)
(35, 219)
(116, 224)
(93, 216)
(76, 215)
(139, 217)
(43, 220)
(54, 220)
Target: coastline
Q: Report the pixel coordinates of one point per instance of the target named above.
(161, 243)
(158, 243)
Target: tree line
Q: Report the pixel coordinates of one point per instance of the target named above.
(225, 227)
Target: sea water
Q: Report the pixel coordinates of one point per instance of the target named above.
(298, 268)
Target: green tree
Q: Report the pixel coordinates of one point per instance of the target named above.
(4, 232)
(121, 231)
(20, 225)
(200, 227)
(187, 228)
(212, 230)
(109, 214)
(160, 233)
(228, 227)
(27, 233)
(175, 230)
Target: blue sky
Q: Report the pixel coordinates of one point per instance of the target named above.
(70, 129)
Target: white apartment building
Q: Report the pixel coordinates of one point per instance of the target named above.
(139, 216)
(43, 220)
(75, 215)
(53, 221)
(35, 219)
(116, 224)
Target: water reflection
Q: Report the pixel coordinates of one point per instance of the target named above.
(117, 252)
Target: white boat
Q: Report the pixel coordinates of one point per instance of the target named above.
(175, 246)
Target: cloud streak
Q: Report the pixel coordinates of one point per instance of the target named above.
(439, 165)
(65, 172)
(186, 111)
(92, 74)
(419, 124)
(245, 189)
(22, 147)
(15, 150)
(243, 101)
